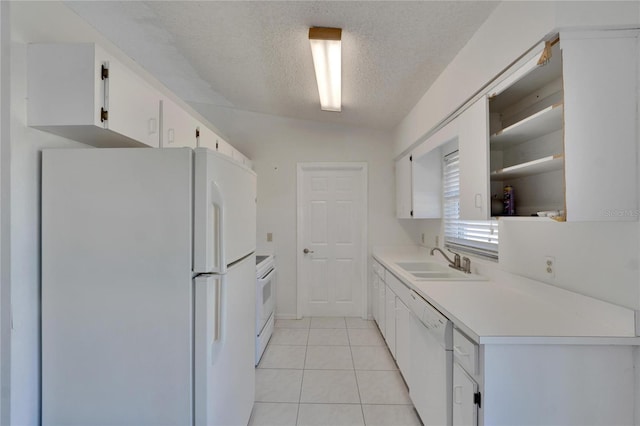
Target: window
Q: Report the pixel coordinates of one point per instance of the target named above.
(475, 236)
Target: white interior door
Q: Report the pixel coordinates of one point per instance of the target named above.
(332, 223)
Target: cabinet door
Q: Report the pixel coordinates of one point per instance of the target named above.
(133, 105)
(600, 93)
(375, 279)
(404, 188)
(224, 147)
(178, 126)
(426, 179)
(473, 145)
(390, 320)
(465, 410)
(382, 302)
(403, 342)
(207, 138)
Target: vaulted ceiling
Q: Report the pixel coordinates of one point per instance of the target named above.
(255, 56)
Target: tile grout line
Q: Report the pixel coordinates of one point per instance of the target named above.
(306, 351)
(353, 362)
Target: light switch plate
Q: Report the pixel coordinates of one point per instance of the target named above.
(269, 237)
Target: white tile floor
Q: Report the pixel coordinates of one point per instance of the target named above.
(329, 371)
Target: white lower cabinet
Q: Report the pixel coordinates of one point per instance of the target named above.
(375, 282)
(467, 398)
(390, 320)
(392, 315)
(507, 383)
(465, 389)
(381, 307)
(403, 341)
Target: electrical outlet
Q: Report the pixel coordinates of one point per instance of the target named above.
(422, 238)
(269, 237)
(550, 266)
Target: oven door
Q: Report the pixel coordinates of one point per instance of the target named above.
(265, 299)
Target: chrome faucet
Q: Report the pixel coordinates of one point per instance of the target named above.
(455, 263)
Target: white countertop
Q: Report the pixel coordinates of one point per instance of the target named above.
(509, 309)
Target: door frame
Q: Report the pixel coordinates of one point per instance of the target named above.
(362, 169)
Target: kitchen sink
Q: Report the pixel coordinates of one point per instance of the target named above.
(421, 266)
(425, 271)
(451, 275)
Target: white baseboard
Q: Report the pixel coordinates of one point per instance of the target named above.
(286, 316)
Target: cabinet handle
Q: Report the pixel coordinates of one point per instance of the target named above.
(153, 126)
(478, 201)
(457, 395)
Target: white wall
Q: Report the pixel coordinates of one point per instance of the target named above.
(276, 145)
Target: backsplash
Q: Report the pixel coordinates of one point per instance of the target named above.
(597, 259)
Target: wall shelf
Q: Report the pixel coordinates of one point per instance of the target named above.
(545, 121)
(530, 168)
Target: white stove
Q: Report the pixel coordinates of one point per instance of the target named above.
(265, 301)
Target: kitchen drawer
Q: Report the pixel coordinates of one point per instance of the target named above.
(465, 352)
(398, 287)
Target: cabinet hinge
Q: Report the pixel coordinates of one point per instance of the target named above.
(104, 72)
(411, 158)
(477, 399)
(104, 114)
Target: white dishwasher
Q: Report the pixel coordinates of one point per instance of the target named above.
(431, 358)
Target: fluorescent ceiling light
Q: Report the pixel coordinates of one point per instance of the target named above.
(327, 60)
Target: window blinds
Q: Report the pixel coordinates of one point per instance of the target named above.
(476, 236)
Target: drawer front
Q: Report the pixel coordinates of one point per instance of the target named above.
(466, 352)
(401, 290)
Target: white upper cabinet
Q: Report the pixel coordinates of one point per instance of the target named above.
(601, 118)
(419, 176)
(207, 138)
(179, 128)
(80, 92)
(404, 207)
(473, 132)
(426, 179)
(526, 147)
(224, 147)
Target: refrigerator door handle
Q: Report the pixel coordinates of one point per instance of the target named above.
(217, 228)
(207, 341)
(217, 295)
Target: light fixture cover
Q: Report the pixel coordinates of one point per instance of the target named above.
(327, 61)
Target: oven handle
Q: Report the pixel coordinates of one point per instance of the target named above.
(267, 277)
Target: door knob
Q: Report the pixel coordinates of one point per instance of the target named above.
(307, 251)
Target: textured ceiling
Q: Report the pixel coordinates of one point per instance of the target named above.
(255, 56)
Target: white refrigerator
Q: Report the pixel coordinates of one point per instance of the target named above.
(148, 287)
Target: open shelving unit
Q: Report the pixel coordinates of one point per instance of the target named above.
(526, 139)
